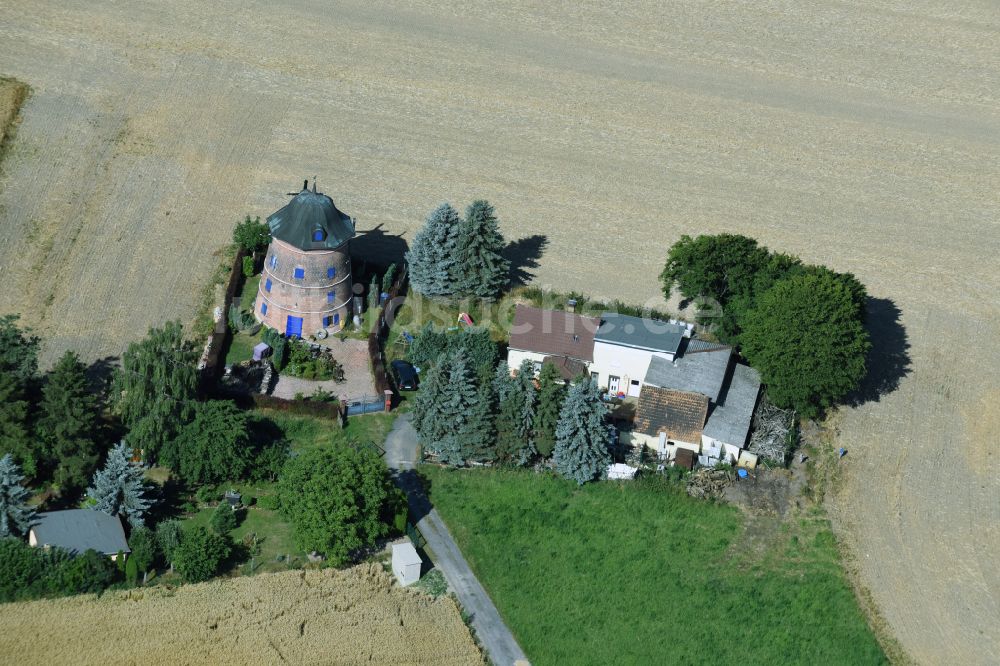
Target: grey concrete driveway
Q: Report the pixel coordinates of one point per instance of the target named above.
(401, 449)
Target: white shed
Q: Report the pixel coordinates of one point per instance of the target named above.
(405, 563)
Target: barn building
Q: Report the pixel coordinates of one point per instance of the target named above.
(306, 283)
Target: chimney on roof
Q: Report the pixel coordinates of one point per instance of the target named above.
(305, 184)
(314, 184)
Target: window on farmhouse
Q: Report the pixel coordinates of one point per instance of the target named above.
(299, 273)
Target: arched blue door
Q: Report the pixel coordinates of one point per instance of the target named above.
(293, 326)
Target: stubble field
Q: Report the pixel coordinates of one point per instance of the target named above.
(356, 616)
(863, 136)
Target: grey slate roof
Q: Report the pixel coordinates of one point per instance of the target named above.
(729, 422)
(77, 530)
(649, 334)
(306, 213)
(697, 370)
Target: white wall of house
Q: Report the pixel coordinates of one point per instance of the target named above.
(626, 363)
(655, 443)
(516, 356)
(731, 452)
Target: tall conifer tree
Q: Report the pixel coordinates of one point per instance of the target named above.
(118, 486)
(551, 394)
(68, 425)
(15, 513)
(14, 438)
(484, 270)
(582, 435)
(432, 258)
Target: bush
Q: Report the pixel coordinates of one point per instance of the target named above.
(225, 520)
(268, 502)
(252, 235)
(207, 494)
(200, 554)
(248, 267)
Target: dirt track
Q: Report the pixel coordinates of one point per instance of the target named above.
(864, 138)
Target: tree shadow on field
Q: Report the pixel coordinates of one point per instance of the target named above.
(99, 373)
(375, 246)
(523, 255)
(416, 488)
(889, 359)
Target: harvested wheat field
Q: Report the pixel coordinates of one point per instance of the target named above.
(860, 135)
(318, 617)
(12, 94)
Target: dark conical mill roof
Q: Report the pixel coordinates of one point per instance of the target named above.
(310, 221)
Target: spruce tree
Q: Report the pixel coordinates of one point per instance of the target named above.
(551, 394)
(18, 350)
(503, 383)
(478, 434)
(118, 486)
(68, 425)
(432, 259)
(155, 388)
(516, 418)
(427, 407)
(484, 272)
(15, 513)
(457, 402)
(14, 438)
(582, 435)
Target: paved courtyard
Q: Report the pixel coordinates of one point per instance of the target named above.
(353, 355)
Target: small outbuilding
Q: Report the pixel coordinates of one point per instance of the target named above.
(78, 530)
(406, 563)
(261, 350)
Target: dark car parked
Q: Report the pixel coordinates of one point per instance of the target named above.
(406, 375)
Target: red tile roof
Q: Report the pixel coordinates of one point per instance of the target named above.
(678, 413)
(553, 333)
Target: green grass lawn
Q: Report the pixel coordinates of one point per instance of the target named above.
(639, 573)
(306, 432)
(241, 345)
(273, 532)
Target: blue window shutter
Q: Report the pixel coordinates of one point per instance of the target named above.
(299, 273)
(331, 272)
(274, 261)
(327, 320)
(336, 319)
(329, 297)
(319, 236)
(267, 285)
(263, 308)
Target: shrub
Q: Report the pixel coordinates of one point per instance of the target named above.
(268, 502)
(207, 494)
(248, 266)
(225, 520)
(200, 554)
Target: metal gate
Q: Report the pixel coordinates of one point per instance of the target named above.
(365, 405)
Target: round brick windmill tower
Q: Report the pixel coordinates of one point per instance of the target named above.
(306, 283)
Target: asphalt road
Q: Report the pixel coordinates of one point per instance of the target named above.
(401, 450)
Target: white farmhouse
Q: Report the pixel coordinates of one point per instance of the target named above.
(624, 347)
(702, 401)
(562, 338)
